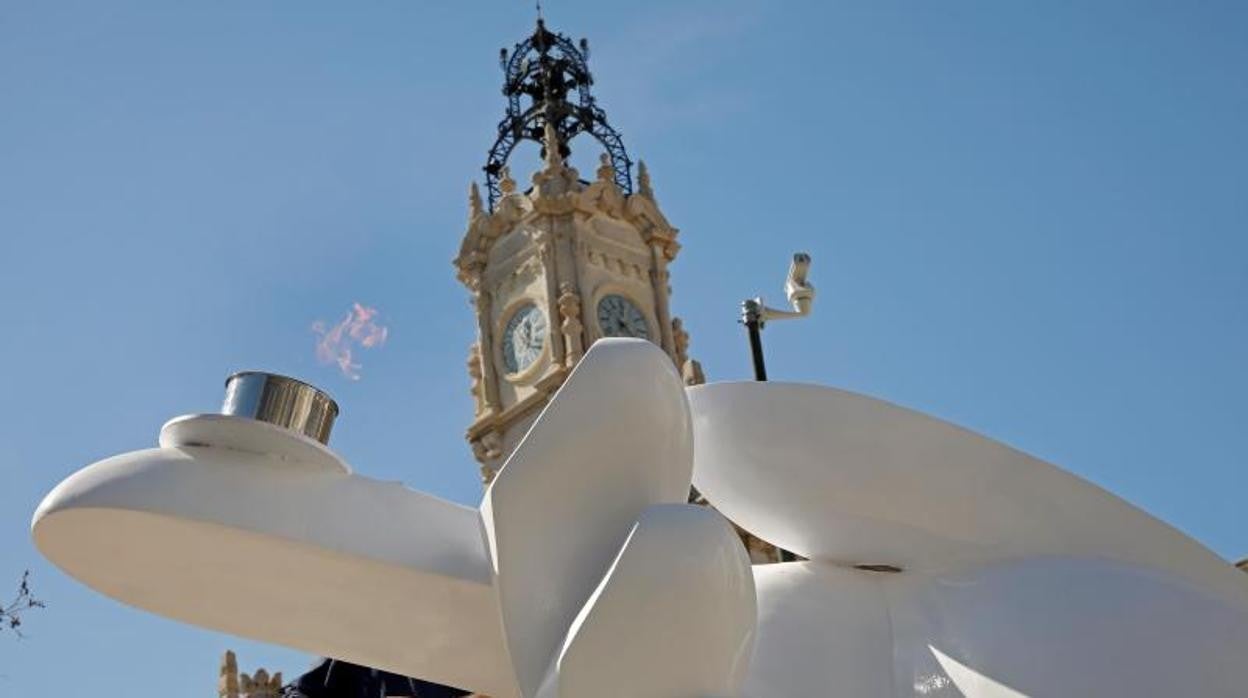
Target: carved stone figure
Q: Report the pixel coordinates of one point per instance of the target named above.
(493, 443)
(570, 312)
(605, 172)
(487, 449)
(474, 372)
(680, 341)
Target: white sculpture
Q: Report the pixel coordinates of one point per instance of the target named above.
(940, 563)
(1014, 577)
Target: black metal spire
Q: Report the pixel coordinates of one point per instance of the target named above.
(546, 78)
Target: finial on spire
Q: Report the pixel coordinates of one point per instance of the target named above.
(506, 184)
(475, 207)
(606, 172)
(643, 181)
(552, 145)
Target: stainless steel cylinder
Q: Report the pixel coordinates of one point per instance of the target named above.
(286, 402)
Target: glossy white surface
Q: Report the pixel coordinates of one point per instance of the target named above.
(1036, 627)
(1019, 578)
(614, 441)
(822, 631)
(674, 616)
(251, 436)
(841, 477)
(585, 574)
(329, 563)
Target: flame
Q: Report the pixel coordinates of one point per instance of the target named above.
(337, 344)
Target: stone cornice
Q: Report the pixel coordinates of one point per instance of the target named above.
(558, 190)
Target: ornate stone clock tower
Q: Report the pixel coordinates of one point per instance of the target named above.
(554, 266)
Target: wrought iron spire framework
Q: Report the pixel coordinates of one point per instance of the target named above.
(547, 79)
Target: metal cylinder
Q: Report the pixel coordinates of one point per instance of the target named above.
(285, 402)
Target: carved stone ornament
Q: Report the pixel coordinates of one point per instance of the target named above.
(487, 449)
(475, 208)
(227, 684)
(680, 340)
(604, 194)
(507, 185)
(261, 685)
(474, 372)
(570, 312)
(643, 181)
(557, 190)
(556, 183)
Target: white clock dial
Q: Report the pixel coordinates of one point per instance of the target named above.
(618, 317)
(523, 338)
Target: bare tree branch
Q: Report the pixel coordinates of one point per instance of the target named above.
(11, 614)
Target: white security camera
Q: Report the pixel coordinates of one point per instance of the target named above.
(755, 314)
(800, 292)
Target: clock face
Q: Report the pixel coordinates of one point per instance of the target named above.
(523, 338)
(618, 317)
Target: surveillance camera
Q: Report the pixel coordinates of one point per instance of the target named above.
(800, 292)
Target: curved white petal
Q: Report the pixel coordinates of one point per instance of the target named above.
(822, 631)
(674, 616)
(1072, 627)
(1037, 627)
(612, 442)
(314, 559)
(845, 478)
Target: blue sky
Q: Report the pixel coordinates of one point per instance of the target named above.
(1028, 218)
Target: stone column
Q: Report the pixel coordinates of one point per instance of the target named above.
(481, 298)
(546, 251)
(658, 281)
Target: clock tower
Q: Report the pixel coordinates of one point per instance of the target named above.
(554, 266)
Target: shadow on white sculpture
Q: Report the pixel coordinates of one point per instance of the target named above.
(940, 563)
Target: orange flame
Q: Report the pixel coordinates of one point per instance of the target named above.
(336, 345)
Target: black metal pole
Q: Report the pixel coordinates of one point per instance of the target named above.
(756, 350)
(752, 318)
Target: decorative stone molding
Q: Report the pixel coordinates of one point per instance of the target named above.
(232, 684)
(558, 190)
(261, 685)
